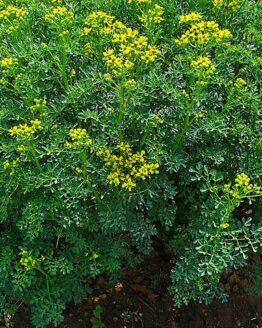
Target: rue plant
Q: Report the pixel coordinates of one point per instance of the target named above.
(122, 121)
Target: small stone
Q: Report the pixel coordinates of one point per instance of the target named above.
(119, 287)
(103, 296)
(115, 319)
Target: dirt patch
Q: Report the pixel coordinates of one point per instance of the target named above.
(141, 300)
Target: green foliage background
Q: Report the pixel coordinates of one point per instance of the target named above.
(71, 229)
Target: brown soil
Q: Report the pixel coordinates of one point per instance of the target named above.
(141, 300)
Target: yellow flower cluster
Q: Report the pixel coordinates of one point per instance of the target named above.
(233, 4)
(130, 46)
(201, 62)
(25, 130)
(8, 62)
(101, 23)
(153, 15)
(12, 13)
(28, 261)
(224, 225)
(204, 69)
(130, 50)
(203, 32)
(59, 15)
(128, 167)
(156, 120)
(130, 84)
(242, 187)
(116, 62)
(10, 165)
(79, 138)
(39, 106)
(22, 148)
(11, 18)
(192, 17)
(239, 83)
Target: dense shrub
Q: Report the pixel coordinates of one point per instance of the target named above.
(123, 120)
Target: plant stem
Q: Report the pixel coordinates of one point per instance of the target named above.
(64, 60)
(84, 158)
(46, 277)
(122, 108)
(33, 152)
(187, 125)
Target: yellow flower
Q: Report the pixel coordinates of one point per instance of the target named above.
(6, 164)
(224, 225)
(73, 72)
(79, 138)
(150, 54)
(218, 3)
(128, 167)
(117, 62)
(39, 105)
(130, 84)
(153, 15)
(227, 187)
(79, 170)
(25, 130)
(242, 187)
(28, 261)
(21, 148)
(242, 179)
(203, 69)
(239, 83)
(10, 166)
(129, 184)
(202, 32)
(227, 4)
(192, 17)
(59, 15)
(8, 62)
(12, 13)
(200, 115)
(63, 33)
(44, 45)
(129, 46)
